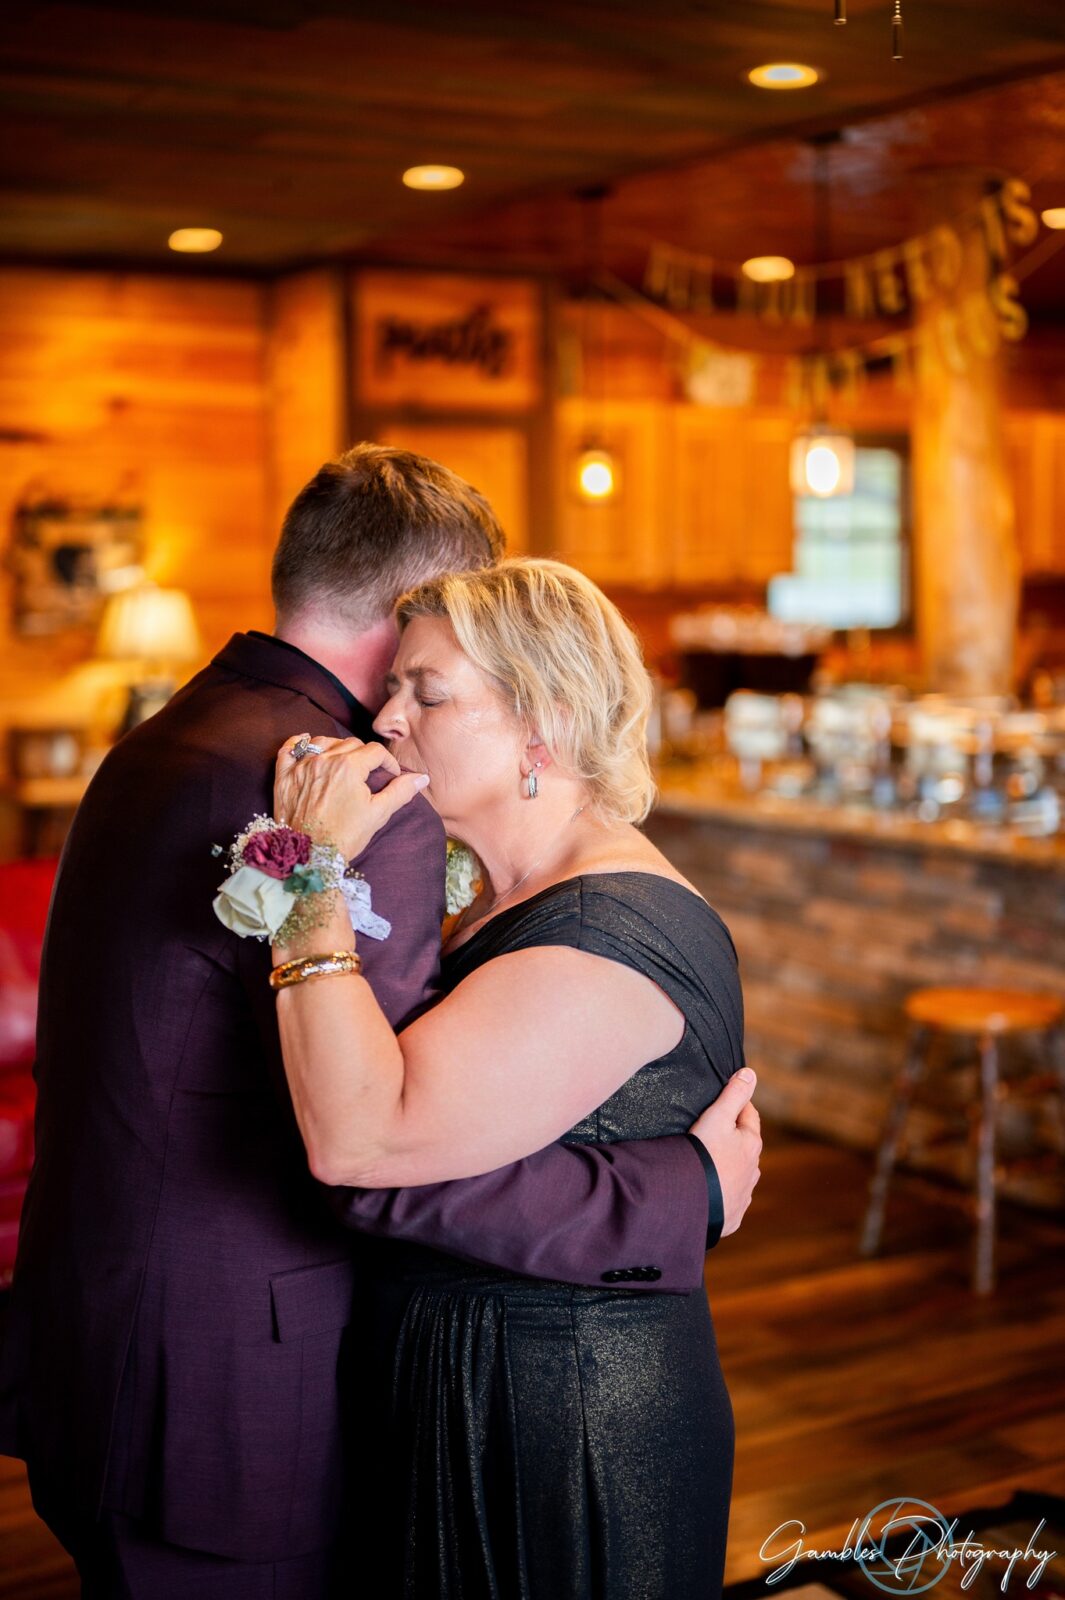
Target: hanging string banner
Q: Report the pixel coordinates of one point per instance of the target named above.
(951, 334)
(895, 282)
(715, 372)
(959, 315)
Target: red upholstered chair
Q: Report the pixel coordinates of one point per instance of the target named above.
(25, 889)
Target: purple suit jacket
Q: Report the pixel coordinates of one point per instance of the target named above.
(182, 1282)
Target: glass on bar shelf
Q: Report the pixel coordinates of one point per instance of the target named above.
(673, 731)
(1032, 748)
(756, 731)
(980, 763)
(948, 762)
(848, 730)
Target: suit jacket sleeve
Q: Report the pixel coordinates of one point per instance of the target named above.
(570, 1212)
(405, 866)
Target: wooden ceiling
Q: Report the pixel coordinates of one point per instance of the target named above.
(287, 125)
(889, 177)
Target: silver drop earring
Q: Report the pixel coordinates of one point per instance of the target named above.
(534, 787)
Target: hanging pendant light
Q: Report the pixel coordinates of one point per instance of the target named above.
(595, 468)
(822, 462)
(822, 454)
(597, 473)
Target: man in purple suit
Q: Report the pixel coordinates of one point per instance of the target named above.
(183, 1285)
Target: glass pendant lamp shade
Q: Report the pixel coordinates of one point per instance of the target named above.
(822, 463)
(822, 456)
(597, 474)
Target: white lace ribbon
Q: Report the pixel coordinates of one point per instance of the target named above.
(364, 919)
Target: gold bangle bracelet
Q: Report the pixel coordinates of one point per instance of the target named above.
(304, 967)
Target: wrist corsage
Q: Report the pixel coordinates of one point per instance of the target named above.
(281, 883)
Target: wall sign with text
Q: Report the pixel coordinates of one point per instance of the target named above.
(447, 342)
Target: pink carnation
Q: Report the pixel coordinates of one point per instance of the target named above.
(276, 851)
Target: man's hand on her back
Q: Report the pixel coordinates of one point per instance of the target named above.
(731, 1130)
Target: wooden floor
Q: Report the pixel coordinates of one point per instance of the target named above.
(851, 1381)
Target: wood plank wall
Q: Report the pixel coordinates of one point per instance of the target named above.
(307, 387)
(161, 380)
(219, 398)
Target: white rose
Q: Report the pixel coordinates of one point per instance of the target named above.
(252, 903)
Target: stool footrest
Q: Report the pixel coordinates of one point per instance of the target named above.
(915, 1143)
(1040, 1161)
(1031, 1087)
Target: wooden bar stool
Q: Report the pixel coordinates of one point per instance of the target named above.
(987, 1016)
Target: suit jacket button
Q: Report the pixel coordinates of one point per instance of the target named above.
(652, 1274)
(612, 1276)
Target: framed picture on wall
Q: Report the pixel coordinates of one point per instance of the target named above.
(66, 557)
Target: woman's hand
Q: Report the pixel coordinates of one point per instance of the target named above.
(329, 797)
(731, 1129)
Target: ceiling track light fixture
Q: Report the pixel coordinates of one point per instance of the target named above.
(840, 20)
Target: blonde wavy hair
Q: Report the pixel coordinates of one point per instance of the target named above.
(567, 663)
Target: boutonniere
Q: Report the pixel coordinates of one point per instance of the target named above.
(463, 880)
(280, 884)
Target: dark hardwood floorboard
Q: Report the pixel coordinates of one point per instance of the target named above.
(851, 1380)
(854, 1380)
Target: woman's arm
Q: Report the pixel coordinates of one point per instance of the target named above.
(525, 1048)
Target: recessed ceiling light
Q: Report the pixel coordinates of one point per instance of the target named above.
(434, 177)
(1055, 217)
(194, 241)
(768, 269)
(783, 75)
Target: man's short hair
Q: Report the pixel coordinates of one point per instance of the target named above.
(373, 524)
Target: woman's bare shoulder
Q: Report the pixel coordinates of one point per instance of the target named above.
(630, 851)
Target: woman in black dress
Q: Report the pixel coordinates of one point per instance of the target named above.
(545, 1441)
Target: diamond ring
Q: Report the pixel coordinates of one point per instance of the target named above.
(304, 747)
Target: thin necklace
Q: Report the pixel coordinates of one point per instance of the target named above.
(524, 877)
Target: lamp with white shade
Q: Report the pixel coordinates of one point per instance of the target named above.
(153, 630)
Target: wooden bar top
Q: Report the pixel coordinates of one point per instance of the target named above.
(697, 789)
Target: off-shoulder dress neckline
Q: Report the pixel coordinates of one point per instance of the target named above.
(562, 883)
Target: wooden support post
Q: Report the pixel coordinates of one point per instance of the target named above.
(967, 566)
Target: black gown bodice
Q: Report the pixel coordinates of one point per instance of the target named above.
(664, 930)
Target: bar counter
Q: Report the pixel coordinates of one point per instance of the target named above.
(837, 913)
